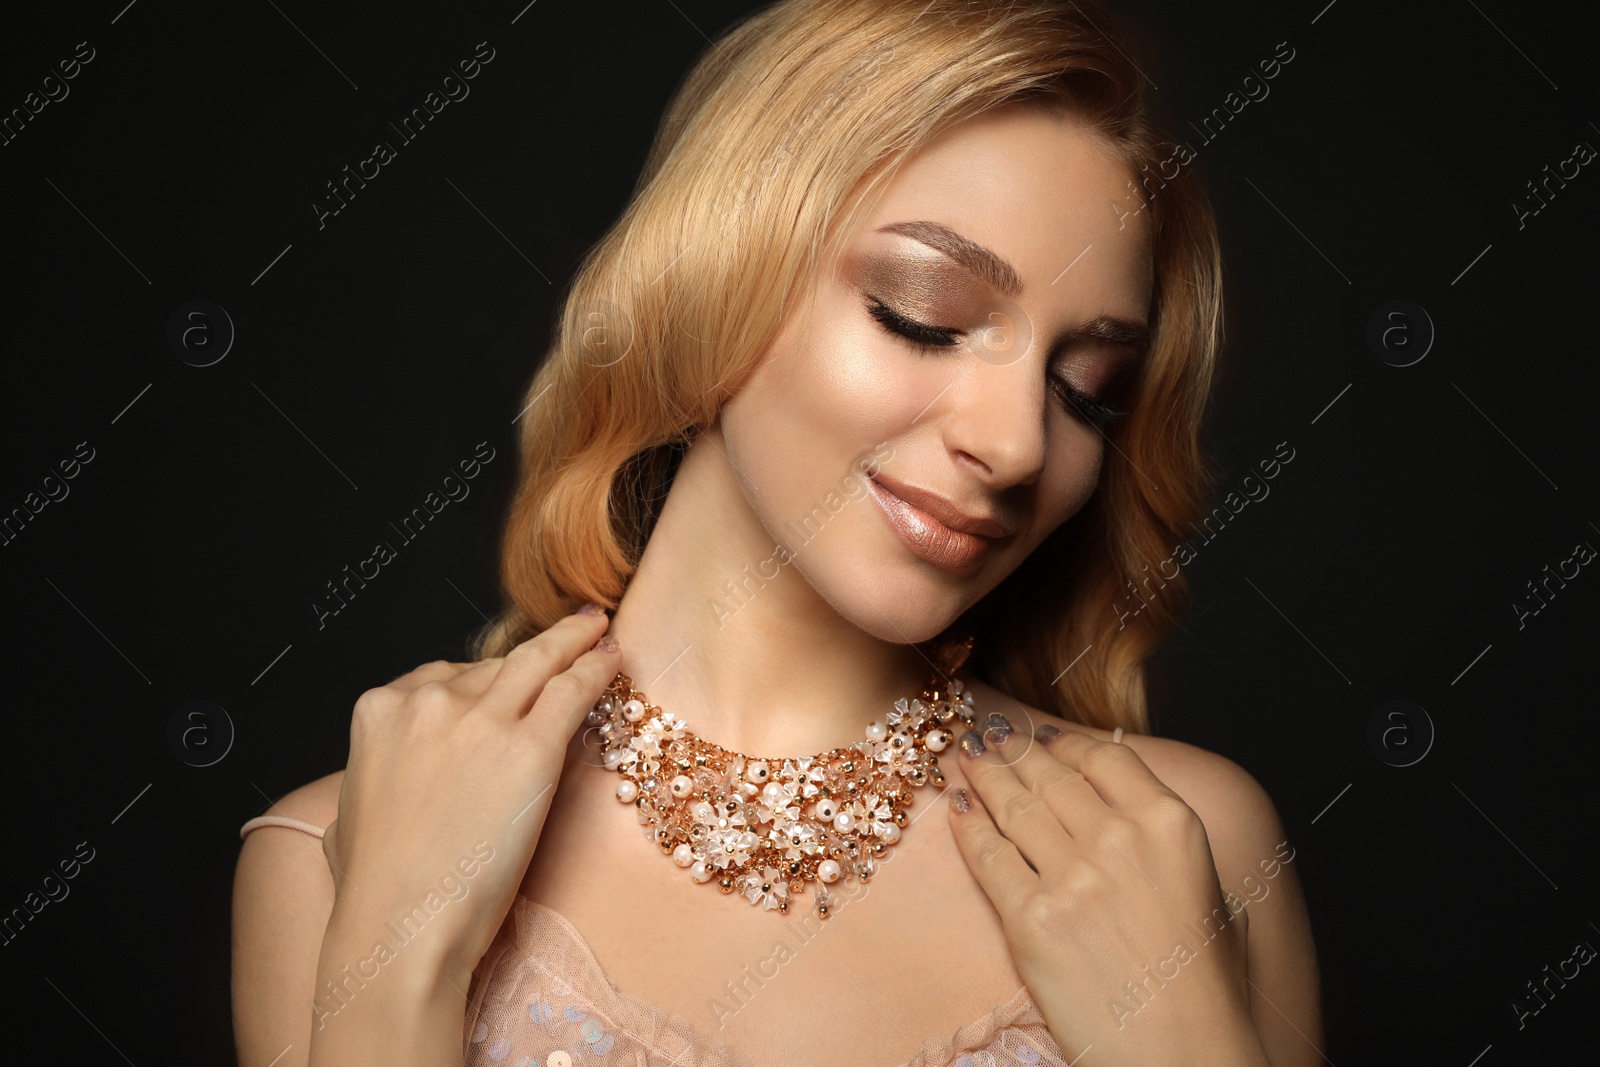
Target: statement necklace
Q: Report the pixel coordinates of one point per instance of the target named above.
(766, 827)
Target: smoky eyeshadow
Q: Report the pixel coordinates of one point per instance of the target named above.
(924, 287)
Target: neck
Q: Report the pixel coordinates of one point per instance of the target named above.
(715, 629)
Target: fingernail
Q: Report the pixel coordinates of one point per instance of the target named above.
(1000, 726)
(591, 608)
(608, 644)
(959, 800)
(972, 743)
(1047, 732)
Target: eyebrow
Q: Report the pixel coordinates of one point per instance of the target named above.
(1003, 276)
(965, 251)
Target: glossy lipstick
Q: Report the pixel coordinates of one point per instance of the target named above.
(928, 538)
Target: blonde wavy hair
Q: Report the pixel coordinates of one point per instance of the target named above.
(762, 161)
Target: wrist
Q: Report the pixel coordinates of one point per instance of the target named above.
(402, 1009)
(360, 952)
(1239, 1047)
(1215, 1040)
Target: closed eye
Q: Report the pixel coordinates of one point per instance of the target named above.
(920, 334)
(922, 337)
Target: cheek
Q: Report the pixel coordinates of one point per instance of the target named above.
(842, 386)
(1071, 474)
(824, 396)
(866, 386)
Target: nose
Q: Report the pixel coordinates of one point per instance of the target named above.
(995, 416)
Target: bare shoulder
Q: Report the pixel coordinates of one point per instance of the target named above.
(1255, 868)
(315, 802)
(282, 898)
(1239, 817)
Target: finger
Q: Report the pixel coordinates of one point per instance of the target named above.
(562, 705)
(436, 671)
(474, 678)
(994, 861)
(530, 666)
(1026, 819)
(1115, 770)
(1067, 793)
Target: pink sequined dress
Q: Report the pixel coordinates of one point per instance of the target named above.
(539, 998)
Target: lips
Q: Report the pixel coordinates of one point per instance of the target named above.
(935, 539)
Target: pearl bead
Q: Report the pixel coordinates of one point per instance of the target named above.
(633, 710)
(773, 794)
(704, 812)
(937, 740)
(844, 822)
(612, 757)
(891, 832)
(699, 872)
(826, 809)
(682, 786)
(748, 841)
(828, 870)
(683, 855)
(627, 790)
(876, 731)
(756, 772)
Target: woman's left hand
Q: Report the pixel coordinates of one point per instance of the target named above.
(1110, 902)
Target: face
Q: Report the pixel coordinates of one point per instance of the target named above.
(939, 405)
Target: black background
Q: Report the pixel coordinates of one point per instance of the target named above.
(376, 352)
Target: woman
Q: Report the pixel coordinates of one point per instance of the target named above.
(904, 339)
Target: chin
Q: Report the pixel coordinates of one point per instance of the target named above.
(890, 595)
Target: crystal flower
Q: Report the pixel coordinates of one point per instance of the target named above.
(797, 839)
(899, 758)
(784, 807)
(725, 849)
(765, 887)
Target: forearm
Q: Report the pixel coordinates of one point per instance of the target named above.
(401, 1009)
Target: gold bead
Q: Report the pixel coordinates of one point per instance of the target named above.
(725, 884)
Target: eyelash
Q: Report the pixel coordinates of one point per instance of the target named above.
(923, 338)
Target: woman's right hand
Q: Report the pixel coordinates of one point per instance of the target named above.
(453, 768)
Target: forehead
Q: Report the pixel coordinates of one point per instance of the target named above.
(1041, 191)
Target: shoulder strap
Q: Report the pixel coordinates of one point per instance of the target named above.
(281, 820)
